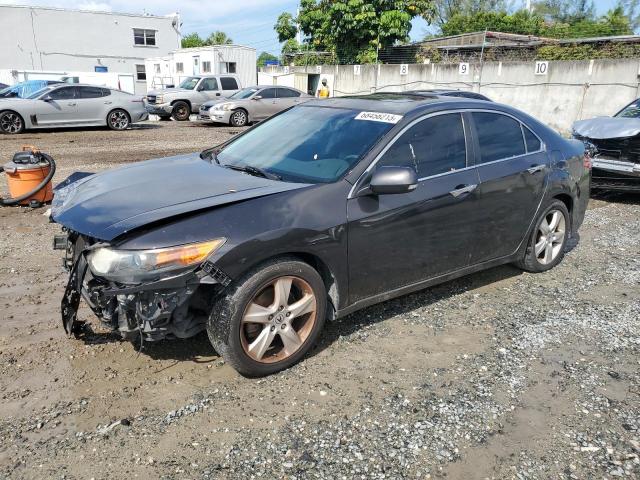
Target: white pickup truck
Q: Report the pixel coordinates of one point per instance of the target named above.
(192, 92)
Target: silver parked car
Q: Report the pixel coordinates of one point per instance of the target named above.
(252, 105)
(192, 92)
(66, 105)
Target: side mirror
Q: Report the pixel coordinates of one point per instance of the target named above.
(47, 98)
(393, 180)
(256, 97)
(200, 87)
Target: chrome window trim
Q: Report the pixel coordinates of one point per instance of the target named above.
(461, 111)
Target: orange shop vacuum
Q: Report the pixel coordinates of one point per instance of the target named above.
(29, 177)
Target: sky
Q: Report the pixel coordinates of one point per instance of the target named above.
(247, 22)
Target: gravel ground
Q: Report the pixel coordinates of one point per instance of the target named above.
(501, 374)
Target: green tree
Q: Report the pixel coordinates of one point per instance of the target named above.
(264, 57)
(631, 9)
(285, 27)
(521, 22)
(613, 22)
(445, 9)
(218, 38)
(566, 11)
(352, 30)
(192, 40)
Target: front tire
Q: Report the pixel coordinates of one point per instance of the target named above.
(270, 318)
(11, 122)
(181, 111)
(118, 120)
(239, 118)
(548, 240)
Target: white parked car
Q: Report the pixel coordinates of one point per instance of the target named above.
(64, 105)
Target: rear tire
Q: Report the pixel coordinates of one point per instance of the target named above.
(269, 319)
(239, 118)
(548, 239)
(11, 122)
(118, 119)
(181, 111)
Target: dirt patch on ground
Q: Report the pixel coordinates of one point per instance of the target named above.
(497, 375)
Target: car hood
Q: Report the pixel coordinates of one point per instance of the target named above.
(16, 103)
(166, 91)
(607, 127)
(217, 101)
(107, 205)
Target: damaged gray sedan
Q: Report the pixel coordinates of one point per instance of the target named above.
(614, 143)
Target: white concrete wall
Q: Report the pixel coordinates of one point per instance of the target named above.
(571, 90)
(35, 38)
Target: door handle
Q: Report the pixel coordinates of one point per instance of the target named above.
(535, 168)
(108, 103)
(462, 189)
(71, 104)
(218, 94)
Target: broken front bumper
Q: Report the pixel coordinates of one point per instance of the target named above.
(613, 174)
(173, 307)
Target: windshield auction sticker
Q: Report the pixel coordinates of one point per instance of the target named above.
(379, 117)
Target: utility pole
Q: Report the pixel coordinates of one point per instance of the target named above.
(484, 41)
(375, 88)
(528, 5)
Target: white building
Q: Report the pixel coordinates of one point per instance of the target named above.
(179, 64)
(54, 39)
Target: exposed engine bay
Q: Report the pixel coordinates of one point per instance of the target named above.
(614, 144)
(173, 307)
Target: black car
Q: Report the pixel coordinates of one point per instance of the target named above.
(321, 210)
(446, 92)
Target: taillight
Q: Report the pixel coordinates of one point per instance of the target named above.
(587, 161)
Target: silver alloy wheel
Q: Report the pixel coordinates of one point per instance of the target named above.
(10, 123)
(278, 320)
(550, 237)
(239, 118)
(118, 120)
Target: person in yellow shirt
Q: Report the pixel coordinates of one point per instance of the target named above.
(323, 92)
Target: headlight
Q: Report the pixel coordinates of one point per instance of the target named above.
(134, 266)
(224, 107)
(159, 99)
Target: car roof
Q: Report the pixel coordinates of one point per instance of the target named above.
(396, 103)
(212, 75)
(270, 86)
(65, 84)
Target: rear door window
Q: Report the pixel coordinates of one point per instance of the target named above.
(287, 93)
(91, 92)
(228, 83)
(433, 146)
(499, 136)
